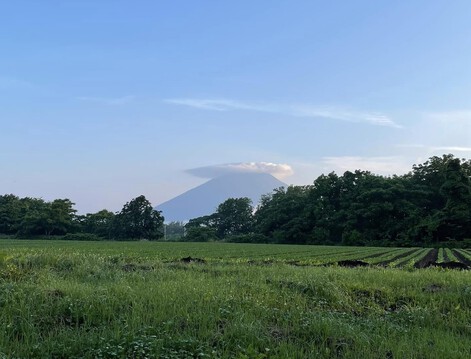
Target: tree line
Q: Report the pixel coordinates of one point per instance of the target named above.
(430, 205)
(34, 217)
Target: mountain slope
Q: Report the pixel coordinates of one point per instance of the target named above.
(204, 199)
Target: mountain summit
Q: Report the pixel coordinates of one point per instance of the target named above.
(204, 199)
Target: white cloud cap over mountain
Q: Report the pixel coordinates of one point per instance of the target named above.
(278, 170)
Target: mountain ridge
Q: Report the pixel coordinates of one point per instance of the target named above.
(204, 199)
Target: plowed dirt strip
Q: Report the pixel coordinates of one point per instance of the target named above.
(461, 258)
(402, 255)
(408, 259)
(430, 257)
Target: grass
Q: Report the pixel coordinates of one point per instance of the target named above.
(138, 300)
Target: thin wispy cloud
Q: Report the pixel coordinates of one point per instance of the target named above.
(111, 101)
(437, 148)
(333, 113)
(388, 165)
(372, 118)
(446, 116)
(214, 105)
(452, 148)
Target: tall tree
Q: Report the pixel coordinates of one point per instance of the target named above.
(99, 223)
(456, 215)
(441, 185)
(282, 214)
(138, 220)
(47, 218)
(35, 217)
(10, 213)
(62, 216)
(234, 217)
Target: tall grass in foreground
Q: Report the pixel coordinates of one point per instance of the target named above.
(67, 301)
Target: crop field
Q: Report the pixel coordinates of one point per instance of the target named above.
(62, 299)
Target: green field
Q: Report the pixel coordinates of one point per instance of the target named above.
(63, 299)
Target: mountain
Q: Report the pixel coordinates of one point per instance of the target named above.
(204, 199)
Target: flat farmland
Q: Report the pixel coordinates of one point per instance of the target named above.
(253, 254)
(63, 299)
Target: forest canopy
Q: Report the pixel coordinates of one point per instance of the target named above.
(430, 205)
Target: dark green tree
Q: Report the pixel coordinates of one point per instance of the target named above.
(62, 216)
(323, 209)
(441, 185)
(46, 218)
(100, 223)
(455, 218)
(10, 214)
(200, 234)
(282, 215)
(234, 217)
(138, 220)
(203, 221)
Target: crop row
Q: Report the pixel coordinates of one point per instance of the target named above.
(388, 256)
(441, 256)
(410, 260)
(449, 255)
(237, 253)
(467, 253)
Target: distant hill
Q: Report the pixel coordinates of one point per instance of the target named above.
(204, 199)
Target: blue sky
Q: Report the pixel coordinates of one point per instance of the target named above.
(101, 101)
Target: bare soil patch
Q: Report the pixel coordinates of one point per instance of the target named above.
(430, 257)
(352, 263)
(192, 260)
(430, 260)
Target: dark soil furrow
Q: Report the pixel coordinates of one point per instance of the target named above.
(461, 258)
(430, 257)
(402, 255)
